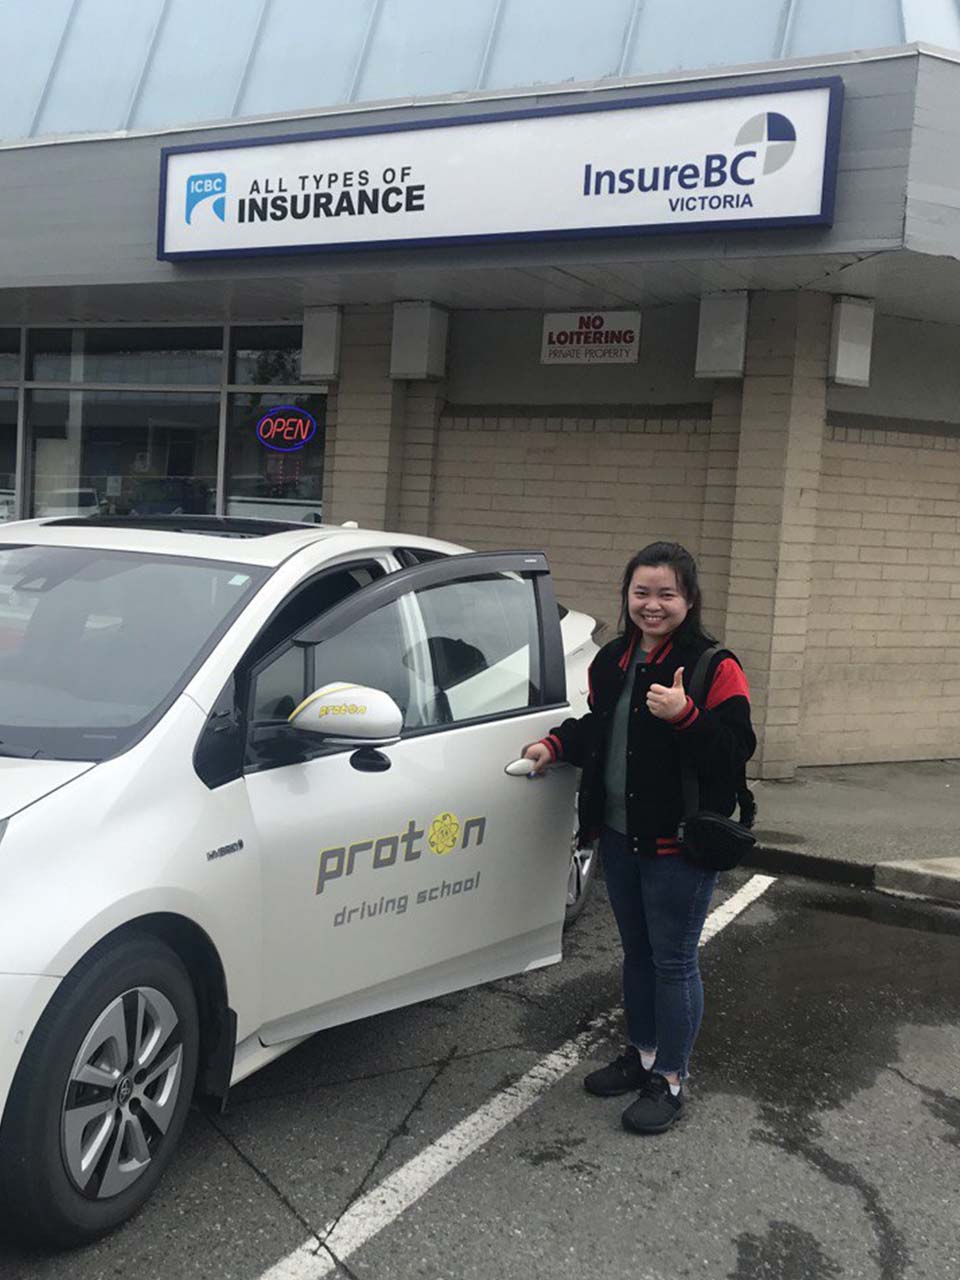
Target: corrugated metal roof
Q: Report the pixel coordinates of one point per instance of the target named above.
(100, 66)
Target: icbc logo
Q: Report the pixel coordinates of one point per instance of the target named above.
(286, 428)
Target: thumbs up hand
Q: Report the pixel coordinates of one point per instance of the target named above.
(667, 702)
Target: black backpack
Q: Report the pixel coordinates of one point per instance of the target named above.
(746, 800)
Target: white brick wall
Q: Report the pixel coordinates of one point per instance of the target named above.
(590, 491)
(881, 676)
(424, 403)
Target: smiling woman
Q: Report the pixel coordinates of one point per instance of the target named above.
(646, 747)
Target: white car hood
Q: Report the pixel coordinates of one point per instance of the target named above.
(24, 781)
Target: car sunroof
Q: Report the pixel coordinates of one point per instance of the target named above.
(218, 526)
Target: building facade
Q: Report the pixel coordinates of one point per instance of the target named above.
(185, 328)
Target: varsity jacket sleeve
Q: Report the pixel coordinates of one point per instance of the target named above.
(569, 741)
(718, 738)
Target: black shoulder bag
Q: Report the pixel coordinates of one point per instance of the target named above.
(709, 839)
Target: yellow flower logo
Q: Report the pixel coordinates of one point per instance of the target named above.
(444, 833)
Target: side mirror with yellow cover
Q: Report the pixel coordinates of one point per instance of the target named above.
(349, 714)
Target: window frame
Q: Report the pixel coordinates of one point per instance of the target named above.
(220, 751)
(456, 568)
(409, 557)
(233, 707)
(222, 386)
(252, 669)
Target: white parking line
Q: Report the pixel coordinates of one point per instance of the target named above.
(386, 1202)
(731, 908)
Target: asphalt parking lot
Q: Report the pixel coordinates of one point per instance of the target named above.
(822, 1138)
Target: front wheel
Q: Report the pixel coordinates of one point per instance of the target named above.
(101, 1095)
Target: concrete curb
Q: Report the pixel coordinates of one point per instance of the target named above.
(936, 879)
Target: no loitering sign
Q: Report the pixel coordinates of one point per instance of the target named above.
(591, 337)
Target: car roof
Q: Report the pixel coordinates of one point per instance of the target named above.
(236, 541)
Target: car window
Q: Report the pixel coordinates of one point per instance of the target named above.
(281, 685)
(372, 651)
(445, 654)
(482, 646)
(93, 643)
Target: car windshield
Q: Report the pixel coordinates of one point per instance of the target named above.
(95, 644)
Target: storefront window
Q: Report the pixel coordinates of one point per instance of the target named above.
(275, 445)
(185, 357)
(8, 452)
(123, 453)
(9, 355)
(266, 355)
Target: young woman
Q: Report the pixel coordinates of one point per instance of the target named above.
(641, 730)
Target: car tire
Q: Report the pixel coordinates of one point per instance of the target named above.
(87, 1133)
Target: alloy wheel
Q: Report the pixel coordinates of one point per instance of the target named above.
(121, 1093)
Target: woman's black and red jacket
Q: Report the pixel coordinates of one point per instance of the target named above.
(716, 738)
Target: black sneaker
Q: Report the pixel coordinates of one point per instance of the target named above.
(624, 1075)
(656, 1109)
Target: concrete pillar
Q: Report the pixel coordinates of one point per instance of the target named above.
(365, 439)
(424, 404)
(381, 433)
(716, 523)
(774, 517)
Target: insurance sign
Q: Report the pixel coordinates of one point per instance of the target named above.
(764, 157)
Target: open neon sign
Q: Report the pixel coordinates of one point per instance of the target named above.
(286, 428)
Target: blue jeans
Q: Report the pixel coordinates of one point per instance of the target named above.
(660, 904)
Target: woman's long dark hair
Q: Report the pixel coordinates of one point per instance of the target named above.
(679, 559)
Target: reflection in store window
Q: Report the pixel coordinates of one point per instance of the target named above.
(188, 357)
(266, 355)
(123, 452)
(9, 355)
(275, 448)
(8, 452)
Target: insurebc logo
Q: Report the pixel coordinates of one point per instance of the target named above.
(774, 137)
(763, 145)
(207, 186)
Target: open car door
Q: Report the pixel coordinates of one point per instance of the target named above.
(395, 872)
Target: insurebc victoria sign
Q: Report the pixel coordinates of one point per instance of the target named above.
(760, 158)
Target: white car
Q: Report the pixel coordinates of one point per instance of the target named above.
(252, 784)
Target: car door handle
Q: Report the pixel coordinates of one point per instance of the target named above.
(521, 768)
